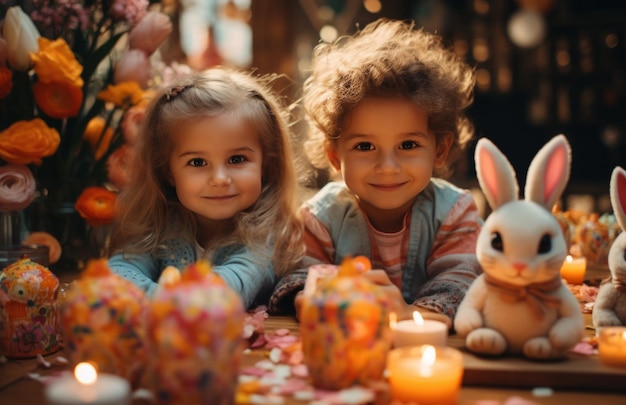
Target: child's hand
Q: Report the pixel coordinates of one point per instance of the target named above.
(398, 305)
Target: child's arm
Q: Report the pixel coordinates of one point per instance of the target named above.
(142, 270)
(319, 249)
(246, 274)
(452, 265)
(399, 306)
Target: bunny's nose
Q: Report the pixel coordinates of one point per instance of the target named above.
(519, 266)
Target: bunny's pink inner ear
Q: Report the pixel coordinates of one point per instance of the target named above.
(488, 173)
(555, 167)
(621, 190)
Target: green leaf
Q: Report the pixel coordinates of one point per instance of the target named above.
(92, 62)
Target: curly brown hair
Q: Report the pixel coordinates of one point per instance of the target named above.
(388, 58)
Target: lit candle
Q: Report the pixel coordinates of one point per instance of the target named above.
(87, 387)
(573, 269)
(417, 331)
(425, 374)
(612, 346)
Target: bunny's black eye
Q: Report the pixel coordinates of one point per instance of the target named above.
(545, 244)
(496, 241)
(624, 255)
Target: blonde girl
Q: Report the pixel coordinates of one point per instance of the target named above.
(213, 178)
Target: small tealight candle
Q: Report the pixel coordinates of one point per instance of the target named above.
(417, 331)
(612, 346)
(426, 374)
(573, 269)
(87, 387)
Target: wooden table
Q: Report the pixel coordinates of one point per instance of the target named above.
(578, 380)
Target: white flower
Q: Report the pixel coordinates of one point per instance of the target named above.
(21, 36)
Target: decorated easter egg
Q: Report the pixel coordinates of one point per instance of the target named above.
(344, 325)
(592, 236)
(102, 319)
(29, 319)
(195, 338)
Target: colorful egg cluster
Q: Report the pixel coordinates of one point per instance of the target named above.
(345, 330)
(29, 321)
(102, 319)
(588, 235)
(195, 338)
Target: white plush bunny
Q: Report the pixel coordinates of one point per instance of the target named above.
(519, 305)
(610, 306)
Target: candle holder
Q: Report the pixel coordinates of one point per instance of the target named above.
(87, 387)
(345, 330)
(425, 374)
(418, 331)
(29, 321)
(195, 338)
(612, 346)
(573, 269)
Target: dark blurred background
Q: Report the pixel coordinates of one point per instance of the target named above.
(544, 67)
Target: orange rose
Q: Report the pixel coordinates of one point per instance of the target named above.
(118, 166)
(58, 99)
(124, 94)
(97, 137)
(6, 81)
(97, 206)
(55, 62)
(27, 142)
(44, 238)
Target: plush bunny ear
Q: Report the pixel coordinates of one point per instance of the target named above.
(618, 195)
(495, 174)
(548, 173)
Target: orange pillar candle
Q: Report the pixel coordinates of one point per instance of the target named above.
(425, 374)
(573, 269)
(612, 346)
(418, 331)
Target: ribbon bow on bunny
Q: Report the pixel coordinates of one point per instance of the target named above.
(535, 294)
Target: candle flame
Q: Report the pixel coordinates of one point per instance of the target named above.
(624, 335)
(417, 317)
(85, 373)
(393, 320)
(568, 259)
(429, 356)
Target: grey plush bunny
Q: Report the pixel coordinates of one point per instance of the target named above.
(610, 306)
(520, 305)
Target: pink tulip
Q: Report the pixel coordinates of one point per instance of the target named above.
(3, 52)
(133, 66)
(150, 33)
(118, 166)
(131, 123)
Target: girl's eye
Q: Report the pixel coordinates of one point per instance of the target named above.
(409, 145)
(197, 162)
(364, 146)
(236, 159)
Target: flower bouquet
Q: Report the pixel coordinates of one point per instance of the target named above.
(75, 76)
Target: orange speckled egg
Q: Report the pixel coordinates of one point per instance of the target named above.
(29, 321)
(345, 330)
(195, 339)
(102, 319)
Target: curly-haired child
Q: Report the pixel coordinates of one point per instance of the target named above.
(386, 109)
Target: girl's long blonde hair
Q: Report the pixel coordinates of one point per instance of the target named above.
(149, 210)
